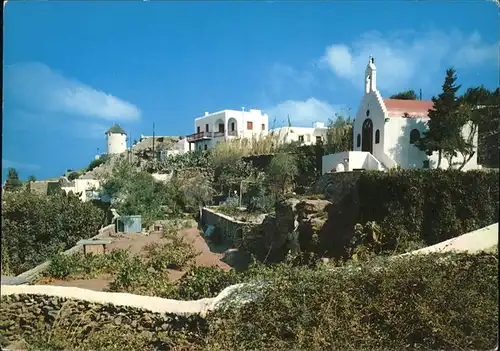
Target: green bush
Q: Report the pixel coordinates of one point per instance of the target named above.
(203, 282)
(282, 171)
(97, 162)
(428, 205)
(423, 302)
(438, 301)
(36, 227)
(172, 255)
(80, 265)
(73, 175)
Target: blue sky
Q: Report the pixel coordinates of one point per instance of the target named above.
(72, 69)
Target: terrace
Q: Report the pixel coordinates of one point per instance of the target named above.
(204, 136)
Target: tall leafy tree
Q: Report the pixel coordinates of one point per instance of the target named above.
(13, 183)
(482, 107)
(444, 126)
(339, 135)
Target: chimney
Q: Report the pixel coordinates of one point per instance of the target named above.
(206, 113)
(243, 109)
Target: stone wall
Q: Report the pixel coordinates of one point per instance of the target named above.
(227, 229)
(336, 186)
(25, 316)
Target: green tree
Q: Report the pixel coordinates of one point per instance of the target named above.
(13, 183)
(136, 192)
(482, 107)
(73, 175)
(444, 125)
(35, 227)
(97, 162)
(405, 95)
(282, 171)
(339, 135)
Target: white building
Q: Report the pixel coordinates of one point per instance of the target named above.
(181, 147)
(85, 188)
(117, 140)
(225, 125)
(304, 135)
(385, 131)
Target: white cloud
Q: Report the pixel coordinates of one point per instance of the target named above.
(18, 165)
(302, 113)
(41, 89)
(408, 58)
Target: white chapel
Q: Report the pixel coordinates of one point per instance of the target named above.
(385, 131)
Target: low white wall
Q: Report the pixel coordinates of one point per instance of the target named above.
(331, 161)
(355, 160)
(473, 242)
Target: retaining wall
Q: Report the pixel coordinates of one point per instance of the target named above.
(226, 227)
(25, 316)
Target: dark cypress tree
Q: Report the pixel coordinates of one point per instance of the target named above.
(444, 128)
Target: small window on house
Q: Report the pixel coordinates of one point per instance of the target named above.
(301, 138)
(377, 136)
(367, 113)
(206, 147)
(414, 136)
(249, 125)
(358, 140)
(263, 126)
(206, 128)
(319, 140)
(425, 164)
(198, 129)
(221, 127)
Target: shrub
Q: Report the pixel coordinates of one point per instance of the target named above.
(36, 227)
(423, 302)
(203, 282)
(135, 277)
(428, 205)
(258, 197)
(80, 265)
(172, 255)
(97, 162)
(73, 175)
(282, 171)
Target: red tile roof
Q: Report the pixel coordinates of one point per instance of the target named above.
(414, 108)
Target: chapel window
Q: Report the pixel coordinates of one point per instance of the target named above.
(358, 140)
(377, 136)
(414, 136)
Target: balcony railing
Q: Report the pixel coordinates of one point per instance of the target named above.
(204, 136)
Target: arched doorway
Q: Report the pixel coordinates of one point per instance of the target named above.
(367, 136)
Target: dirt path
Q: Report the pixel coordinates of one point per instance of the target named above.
(206, 258)
(135, 243)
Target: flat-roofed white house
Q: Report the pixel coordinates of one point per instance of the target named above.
(86, 187)
(225, 125)
(304, 135)
(385, 131)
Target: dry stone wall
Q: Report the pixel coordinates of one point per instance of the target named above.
(24, 315)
